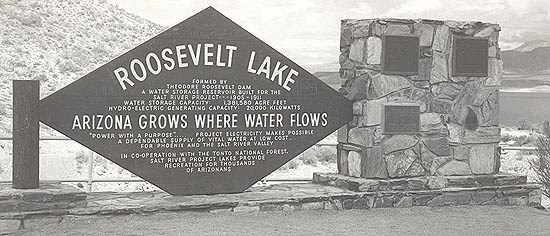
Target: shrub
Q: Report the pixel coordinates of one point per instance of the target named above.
(541, 164)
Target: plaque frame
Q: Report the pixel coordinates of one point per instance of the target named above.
(383, 117)
(384, 69)
(454, 69)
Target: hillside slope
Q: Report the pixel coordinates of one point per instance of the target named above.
(534, 61)
(57, 42)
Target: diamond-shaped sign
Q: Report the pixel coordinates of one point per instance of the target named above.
(202, 108)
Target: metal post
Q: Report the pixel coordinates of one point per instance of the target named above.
(26, 95)
(90, 171)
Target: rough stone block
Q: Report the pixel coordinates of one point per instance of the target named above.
(425, 69)
(450, 199)
(362, 136)
(441, 38)
(405, 202)
(399, 142)
(313, 206)
(430, 122)
(373, 164)
(403, 163)
(357, 49)
(455, 168)
(425, 33)
(358, 107)
(361, 28)
(484, 159)
(374, 50)
(481, 197)
(354, 164)
(482, 135)
(372, 112)
(386, 84)
(357, 88)
(439, 146)
(461, 152)
(397, 29)
(440, 68)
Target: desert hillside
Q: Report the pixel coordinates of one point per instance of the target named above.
(57, 42)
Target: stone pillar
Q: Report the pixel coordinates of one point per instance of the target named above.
(459, 132)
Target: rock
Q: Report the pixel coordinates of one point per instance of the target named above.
(404, 202)
(397, 29)
(415, 169)
(535, 198)
(399, 163)
(361, 28)
(399, 142)
(455, 168)
(464, 102)
(354, 164)
(345, 35)
(425, 68)
(373, 164)
(422, 84)
(485, 32)
(426, 157)
(486, 103)
(357, 88)
(358, 107)
(345, 62)
(372, 110)
(439, 146)
(450, 199)
(484, 159)
(386, 84)
(439, 72)
(494, 73)
(456, 132)
(438, 162)
(441, 38)
(313, 206)
(479, 198)
(374, 50)
(441, 106)
(447, 91)
(461, 152)
(482, 135)
(425, 33)
(378, 29)
(361, 136)
(357, 48)
(430, 122)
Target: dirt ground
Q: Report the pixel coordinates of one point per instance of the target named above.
(468, 220)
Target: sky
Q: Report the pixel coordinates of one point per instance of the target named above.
(308, 31)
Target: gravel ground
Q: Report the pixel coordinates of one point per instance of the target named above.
(468, 220)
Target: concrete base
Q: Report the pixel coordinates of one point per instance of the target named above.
(498, 189)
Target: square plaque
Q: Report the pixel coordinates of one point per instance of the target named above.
(470, 56)
(400, 54)
(401, 118)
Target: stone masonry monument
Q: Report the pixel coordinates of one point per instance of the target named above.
(449, 122)
(425, 113)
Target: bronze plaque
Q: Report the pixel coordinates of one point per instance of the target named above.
(470, 56)
(400, 55)
(401, 118)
